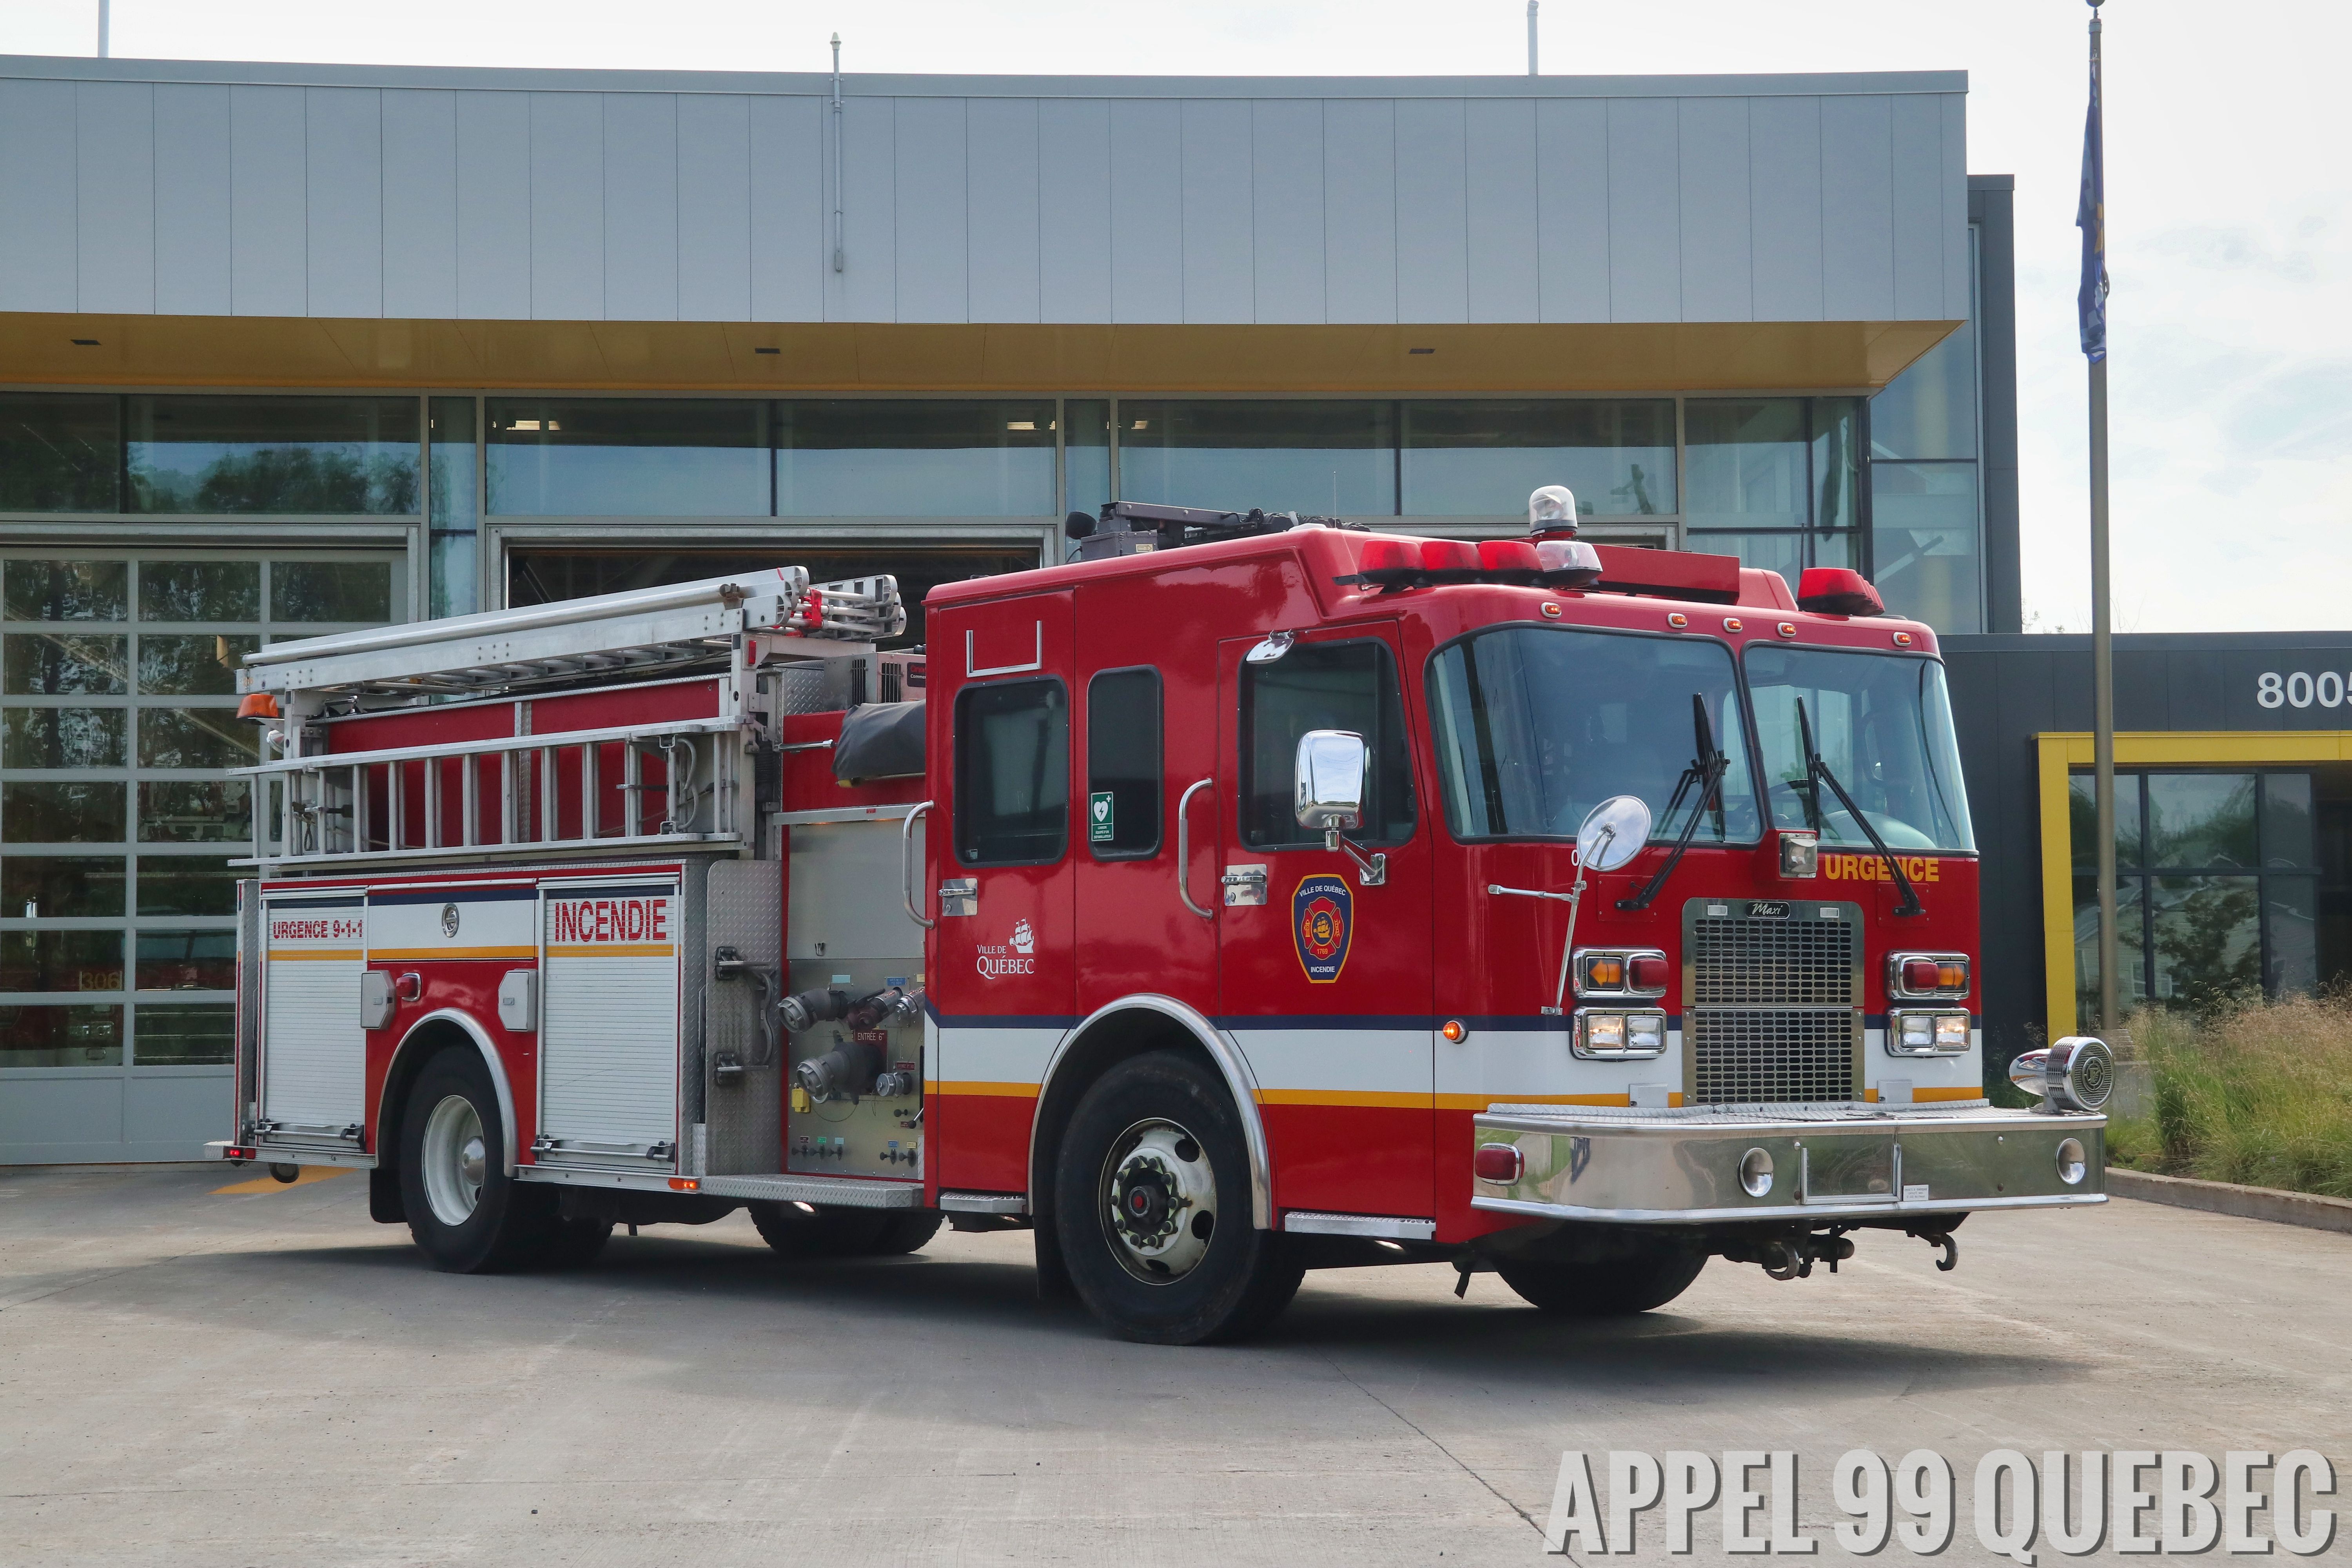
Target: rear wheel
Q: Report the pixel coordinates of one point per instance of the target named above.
(808, 1230)
(464, 1210)
(1649, 1277)
(1152, 1198)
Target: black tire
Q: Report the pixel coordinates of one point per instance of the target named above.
(574, 1243)
(825, 1231)
(1649, 1278)
(1231, 1288)
(508, 1223)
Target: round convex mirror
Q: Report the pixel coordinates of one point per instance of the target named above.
(1614, 833)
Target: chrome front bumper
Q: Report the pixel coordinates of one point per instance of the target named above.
(1827, 1162)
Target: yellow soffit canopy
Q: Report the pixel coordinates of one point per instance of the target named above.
(818, 357)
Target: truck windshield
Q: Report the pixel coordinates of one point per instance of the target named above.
(1537, 725)
(1883, 724)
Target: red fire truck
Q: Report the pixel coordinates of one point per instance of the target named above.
(1244, 896)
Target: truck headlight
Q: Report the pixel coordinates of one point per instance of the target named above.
(1613, 1035)
(1922, 1033)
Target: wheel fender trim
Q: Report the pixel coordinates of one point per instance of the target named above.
(1222, 1051)
(480, 1036)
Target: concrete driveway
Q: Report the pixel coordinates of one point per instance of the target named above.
(261, 1377)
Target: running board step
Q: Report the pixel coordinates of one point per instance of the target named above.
(840, 1192)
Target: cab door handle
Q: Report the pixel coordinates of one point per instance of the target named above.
(1184, 849)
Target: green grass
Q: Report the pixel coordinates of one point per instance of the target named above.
(2257, 1093)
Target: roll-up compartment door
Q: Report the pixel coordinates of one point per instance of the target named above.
(609, 1023)
(314, 1046)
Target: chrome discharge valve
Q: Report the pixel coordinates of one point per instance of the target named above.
(2077, 1073)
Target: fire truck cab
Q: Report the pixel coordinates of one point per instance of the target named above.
(1246, 896)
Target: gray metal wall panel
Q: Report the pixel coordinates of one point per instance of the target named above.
(1074, 264)
(1954, 108)
(1359, 265)
(343, 204)
(494, 205)
(1433, 202)
(1645, 281)
(1504, 276)
(867, 289)
(1286, 209)
(269, 235)
(420, 203)
(191, 227)
(1219, 220)
(1784, 207)
(932, 211)
(1572, 216)
(1146, 197)
(788, 265)
(37, 197)
(641, 207)
(713, 152)
(1857, 209)
(567, 206)
(1718, 271)
(1001, 184)
(114, 207)
(712, 254)
(1916, 159)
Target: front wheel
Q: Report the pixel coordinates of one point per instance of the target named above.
(1152, 1198)
(464, 1210)
(1644, 1277)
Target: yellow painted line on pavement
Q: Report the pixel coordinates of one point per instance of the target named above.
(267, 1184)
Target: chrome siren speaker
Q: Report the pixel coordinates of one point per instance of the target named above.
(2078, 1073)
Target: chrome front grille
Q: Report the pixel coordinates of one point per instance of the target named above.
(1772, 1001)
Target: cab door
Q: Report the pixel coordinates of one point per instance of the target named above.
(1148, 726)
(1323, 982)
(1000, 980)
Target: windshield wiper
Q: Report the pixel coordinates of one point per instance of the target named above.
(1817, 773)
(1706, 770)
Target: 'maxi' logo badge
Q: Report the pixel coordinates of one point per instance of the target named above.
(1322, 923)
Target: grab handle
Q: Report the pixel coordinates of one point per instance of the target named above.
(1184, 849)
(907, 868)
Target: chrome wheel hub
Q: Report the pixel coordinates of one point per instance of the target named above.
(456, 1160)
(1159, 1201)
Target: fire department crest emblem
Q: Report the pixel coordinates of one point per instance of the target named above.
(1322, 923)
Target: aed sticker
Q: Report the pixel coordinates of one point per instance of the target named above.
(1322, 923)
(1101, 822)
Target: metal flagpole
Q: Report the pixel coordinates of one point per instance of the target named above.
(2091, 215)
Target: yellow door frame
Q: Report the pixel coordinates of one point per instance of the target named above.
(2061, 752)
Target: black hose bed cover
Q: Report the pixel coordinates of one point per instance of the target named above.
(879, 741)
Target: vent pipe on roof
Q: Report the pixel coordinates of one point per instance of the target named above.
(1531, 37)
(105, 28)
(839, 245)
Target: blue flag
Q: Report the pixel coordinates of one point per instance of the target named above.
(2090, 217)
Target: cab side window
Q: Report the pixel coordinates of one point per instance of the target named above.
(1323, 686)
(1012, 774)
(1123, 771)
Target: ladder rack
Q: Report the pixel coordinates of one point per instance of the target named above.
(726, 646)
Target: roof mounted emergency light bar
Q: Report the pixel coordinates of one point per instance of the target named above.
(647, 630)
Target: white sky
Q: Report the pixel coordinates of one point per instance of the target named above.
(2228, 130)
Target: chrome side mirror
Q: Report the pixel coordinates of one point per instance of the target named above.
(1328, 780)
(1613, 833)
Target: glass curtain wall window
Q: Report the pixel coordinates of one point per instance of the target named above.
(118, 722)
(1320, 459)
(1774, 480)
(1482, 458)
(339, 456)
(1926, 514)
(2217, 887)
(884, 458)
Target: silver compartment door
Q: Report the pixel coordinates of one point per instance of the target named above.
(608, 1025)
(313, 1050)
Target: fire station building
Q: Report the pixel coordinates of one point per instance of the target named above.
(290, 349)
